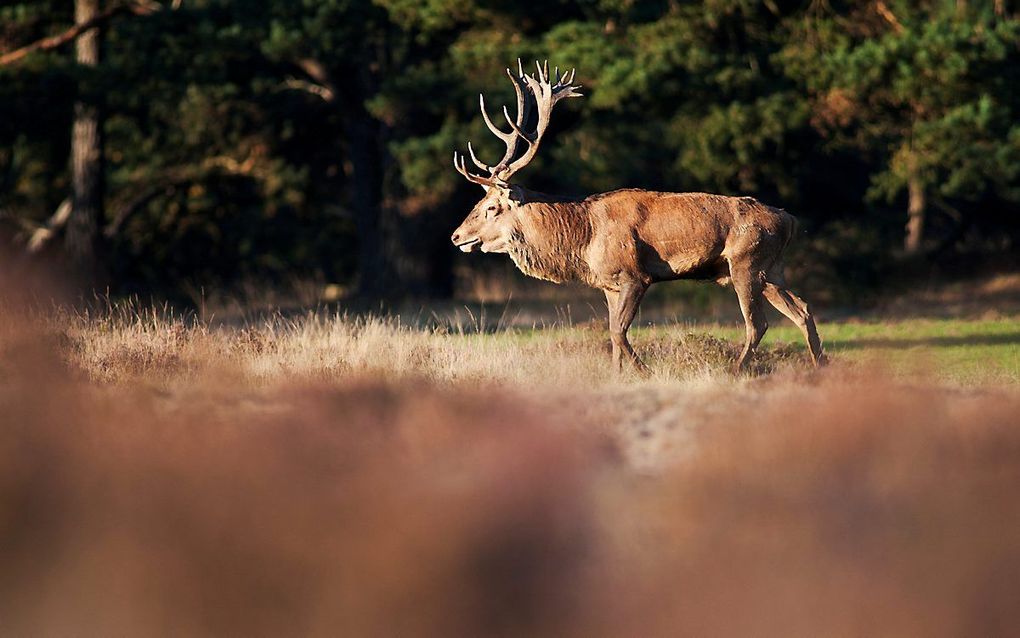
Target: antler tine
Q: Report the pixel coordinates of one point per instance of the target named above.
(516, 124)
(517, 129)
(563, 86)
(461, 167)
(523, 107)
(509, 120)
(506, 137)
(561, 81)
(457, 165)
(477, 162)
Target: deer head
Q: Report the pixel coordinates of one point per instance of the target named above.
(490, 224)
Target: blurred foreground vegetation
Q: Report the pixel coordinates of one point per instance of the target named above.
(277, 140)
(327, 476)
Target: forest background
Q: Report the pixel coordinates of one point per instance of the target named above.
(169, 149)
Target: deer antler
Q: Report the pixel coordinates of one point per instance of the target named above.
(546, 95)
(535, 88)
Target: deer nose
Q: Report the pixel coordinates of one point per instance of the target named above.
(455, 238)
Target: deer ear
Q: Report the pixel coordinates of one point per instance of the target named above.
(515, 194)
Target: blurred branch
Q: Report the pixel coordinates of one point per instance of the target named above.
(137, 202)
(135, 7)
(317, 72)
(175, 178)
(888, 16)
(952, 211)
(40, 235)
(43, 234)
(310, 87)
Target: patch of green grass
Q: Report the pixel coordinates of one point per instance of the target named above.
(966, 351)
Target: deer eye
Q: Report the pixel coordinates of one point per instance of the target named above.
(490, 209)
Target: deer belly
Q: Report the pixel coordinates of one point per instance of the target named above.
(665, 262)
(697, 267)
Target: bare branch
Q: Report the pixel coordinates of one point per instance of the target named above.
(136, 7)
(320, 75)
(42, 235)
(175, 178)
(888, 15)
(310, 87)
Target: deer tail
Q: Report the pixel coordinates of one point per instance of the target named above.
(792, 225)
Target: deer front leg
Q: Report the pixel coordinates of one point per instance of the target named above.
(749, 294)
(623, 305)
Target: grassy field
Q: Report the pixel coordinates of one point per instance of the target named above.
(962, 351)
(321, 474)
(969, 352)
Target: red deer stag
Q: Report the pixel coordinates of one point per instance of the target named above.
(623, 241)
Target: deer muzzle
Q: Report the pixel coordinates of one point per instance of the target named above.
(466, 244)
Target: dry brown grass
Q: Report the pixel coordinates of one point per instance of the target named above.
(325, 476)
(125, 344)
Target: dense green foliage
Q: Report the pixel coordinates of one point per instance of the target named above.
(278, 139)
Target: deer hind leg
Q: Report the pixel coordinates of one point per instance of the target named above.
(796, 310)
(623, 307)
(748, 284)
(612, 299)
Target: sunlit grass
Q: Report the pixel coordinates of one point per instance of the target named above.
(330, 346)
(957, 351)
(967, 351)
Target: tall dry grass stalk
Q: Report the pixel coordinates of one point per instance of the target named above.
(124, 342)
(159, 476)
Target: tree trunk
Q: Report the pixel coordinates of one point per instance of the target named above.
(364, 150)
(916, 207)
(81, 238)
(366, 178)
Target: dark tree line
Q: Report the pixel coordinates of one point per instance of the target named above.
(162, 146)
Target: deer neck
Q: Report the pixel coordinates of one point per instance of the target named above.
(550, 239)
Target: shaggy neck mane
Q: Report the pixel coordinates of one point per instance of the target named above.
(551, 237)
